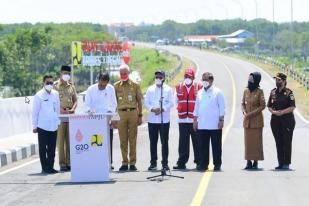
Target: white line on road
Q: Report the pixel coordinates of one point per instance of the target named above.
(203, 186)
(20, 166)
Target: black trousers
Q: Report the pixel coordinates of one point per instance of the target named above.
(154, 130)
(47, 148)
(282, 129)
(204, 137)
(185, 131)
(111, 137)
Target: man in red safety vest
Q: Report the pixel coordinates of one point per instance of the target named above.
(186, 92)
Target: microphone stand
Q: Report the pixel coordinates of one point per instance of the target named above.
(163, 170)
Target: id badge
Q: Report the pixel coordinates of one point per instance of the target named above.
(130, 98)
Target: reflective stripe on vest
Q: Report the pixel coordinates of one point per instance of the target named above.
(186, 101)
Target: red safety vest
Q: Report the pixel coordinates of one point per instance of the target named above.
(186, 101)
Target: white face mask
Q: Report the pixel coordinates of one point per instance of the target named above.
(48, 87)
(205, 84)
(188, 81)
(66, 77)
(158, 82)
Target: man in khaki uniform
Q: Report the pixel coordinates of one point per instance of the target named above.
(68, 104)
(129, 100)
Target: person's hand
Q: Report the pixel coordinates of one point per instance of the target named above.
(195, 125)
(157, 111)
(139, 120)
(221, 124)
(63, 111)
(35, 130)
(114, 124)
(277, 112)
(91, 112)
(71, 111)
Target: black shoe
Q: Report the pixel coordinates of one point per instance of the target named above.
(52, 171)
(69, 168)
(63, 169)
(123, 168)
(249, 165)
(280, 167)
(180, 167)
(112, 167)
(44, 172)
(201, 169)
(217, 168)
(165, 167)
(152, 167)
(255, 165)
(132, 168)
(286, 167)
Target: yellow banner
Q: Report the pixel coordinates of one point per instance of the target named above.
(77, 53)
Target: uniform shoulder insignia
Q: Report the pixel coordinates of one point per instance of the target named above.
(117, 83)
(56, 82)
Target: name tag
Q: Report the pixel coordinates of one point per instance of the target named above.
(130, 98)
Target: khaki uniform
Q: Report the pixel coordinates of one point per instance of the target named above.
(68, 97)
(253, 103)
(128, 93)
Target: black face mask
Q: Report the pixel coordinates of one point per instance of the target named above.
(251, 86)
(256, 81)
(279, 84)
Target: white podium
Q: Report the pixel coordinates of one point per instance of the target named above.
(89, 146)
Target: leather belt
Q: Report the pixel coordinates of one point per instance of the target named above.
(127, 110)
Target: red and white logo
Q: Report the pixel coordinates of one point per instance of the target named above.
(79, 137)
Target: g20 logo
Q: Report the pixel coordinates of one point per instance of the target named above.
(81, 148)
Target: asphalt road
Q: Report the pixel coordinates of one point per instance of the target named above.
(21, 183)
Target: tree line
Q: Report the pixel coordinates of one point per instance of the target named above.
(28, 51)
(273, 38)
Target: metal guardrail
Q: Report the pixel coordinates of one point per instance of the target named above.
(172, 74)
(299, 76)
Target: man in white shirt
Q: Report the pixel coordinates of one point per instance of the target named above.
(45, 121)
(209, 114)
(101, 98)
(159, 101)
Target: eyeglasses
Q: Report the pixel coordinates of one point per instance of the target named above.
(49, 83)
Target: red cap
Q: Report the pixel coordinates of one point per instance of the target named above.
(190, 72)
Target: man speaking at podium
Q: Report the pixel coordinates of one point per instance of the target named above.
(101, 98)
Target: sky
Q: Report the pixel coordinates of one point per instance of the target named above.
(155, 11)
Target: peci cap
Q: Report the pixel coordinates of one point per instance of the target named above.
(280, 75)
(65, 68)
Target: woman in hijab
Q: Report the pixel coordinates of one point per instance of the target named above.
(253, 103)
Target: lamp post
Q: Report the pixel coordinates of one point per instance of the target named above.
(274, 48)
(256, 27)
(241, 8)
(226, 14)
(211, 16)
(292, 43)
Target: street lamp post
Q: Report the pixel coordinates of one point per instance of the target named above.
(256, 27)
(292, 31)
(241, 8)
(274, 48)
